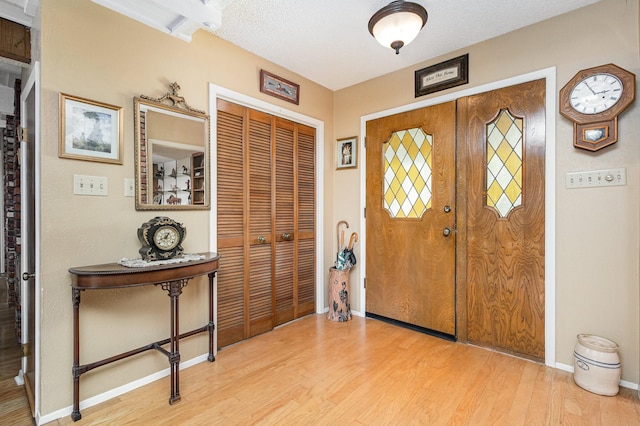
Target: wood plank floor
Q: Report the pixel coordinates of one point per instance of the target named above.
(14, 406)
(364, 372)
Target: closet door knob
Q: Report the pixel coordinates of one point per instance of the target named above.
(262, 239)
(286, 236)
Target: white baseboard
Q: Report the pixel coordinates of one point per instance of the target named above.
(19, 379)
(94, 400)
(623, 383)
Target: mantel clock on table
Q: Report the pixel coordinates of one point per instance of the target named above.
(164, 265)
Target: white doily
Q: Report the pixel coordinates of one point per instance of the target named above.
(140, 263)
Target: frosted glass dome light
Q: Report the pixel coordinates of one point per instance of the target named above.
(397, 24)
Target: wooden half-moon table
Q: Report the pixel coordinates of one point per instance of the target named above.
(171, 278)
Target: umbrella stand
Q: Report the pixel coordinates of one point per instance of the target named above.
(339, 305)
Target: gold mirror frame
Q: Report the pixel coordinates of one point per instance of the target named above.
(171, 153)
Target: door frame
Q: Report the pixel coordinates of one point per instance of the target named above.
(549, 74)
(32, 84)
(218, 92)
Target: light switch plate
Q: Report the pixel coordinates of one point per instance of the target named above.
(129, 187)
(90, 185)
(595, 178)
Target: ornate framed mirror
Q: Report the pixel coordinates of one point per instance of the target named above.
(172, 153)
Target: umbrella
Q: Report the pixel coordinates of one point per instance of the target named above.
(346, 259)
(341, 261)
(351, 258)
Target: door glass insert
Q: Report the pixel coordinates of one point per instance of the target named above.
(407, 173)
(504, 163)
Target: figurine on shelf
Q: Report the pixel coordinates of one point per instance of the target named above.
(173, 173)
(188, 185)
(174, 200)
(185, 170)
(160, 173)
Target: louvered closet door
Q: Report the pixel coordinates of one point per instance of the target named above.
(258, 181)
(285, 234)
(266, 221)
(294, 159)
(231, 216)
(306, 221)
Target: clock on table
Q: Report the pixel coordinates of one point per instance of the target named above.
(161, 239)
(593, 99)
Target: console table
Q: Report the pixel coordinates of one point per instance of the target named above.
(172, 278)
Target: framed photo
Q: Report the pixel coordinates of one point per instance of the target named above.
(444, 75)
(279, 87)
(347, 153)
(90, 130)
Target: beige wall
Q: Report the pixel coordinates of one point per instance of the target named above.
(596, 229)
(92, 52)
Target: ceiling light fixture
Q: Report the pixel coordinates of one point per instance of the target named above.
(397, 24)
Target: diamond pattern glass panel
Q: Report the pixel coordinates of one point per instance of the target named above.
(407, 174)
(504, 163)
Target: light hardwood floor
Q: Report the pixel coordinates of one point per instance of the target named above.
(317, 372)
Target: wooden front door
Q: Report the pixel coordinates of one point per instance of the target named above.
(503, 133)
(410, 216)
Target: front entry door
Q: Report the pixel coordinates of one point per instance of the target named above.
(505, 146)
(410, 216)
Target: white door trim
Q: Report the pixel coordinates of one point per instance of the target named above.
(218, 92)
(549, 74)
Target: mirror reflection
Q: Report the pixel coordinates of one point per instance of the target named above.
(172, 157)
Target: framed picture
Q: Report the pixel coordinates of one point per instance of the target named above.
(444, 75)
(279, 87)
(347, 153)
(90, 130)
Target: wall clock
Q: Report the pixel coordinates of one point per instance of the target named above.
(593, 99)
(161, 239)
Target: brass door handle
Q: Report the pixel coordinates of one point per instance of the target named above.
(286, 236)
(262, 239)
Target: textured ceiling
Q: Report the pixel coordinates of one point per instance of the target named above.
(328, 41)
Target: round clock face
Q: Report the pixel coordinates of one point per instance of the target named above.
(596, 93)
(166, 238)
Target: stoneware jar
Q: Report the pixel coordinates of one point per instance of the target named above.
(596, 365)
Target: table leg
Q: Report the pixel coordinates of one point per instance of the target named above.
(211, 357)
(75, 414)
(174, 288)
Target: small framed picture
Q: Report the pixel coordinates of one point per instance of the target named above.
(279, 87)
(90, 130)
(347, 153)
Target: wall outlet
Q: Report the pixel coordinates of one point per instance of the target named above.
(90, 185)
(594, 178)
(129, 187)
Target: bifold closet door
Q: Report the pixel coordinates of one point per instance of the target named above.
(231, 223)
(266, 221)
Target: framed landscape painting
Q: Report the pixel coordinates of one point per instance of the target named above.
(90, 130)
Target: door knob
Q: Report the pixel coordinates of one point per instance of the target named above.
(27, 276)
(446, 232)
(286, 236)
(447, 209)
(262, 239)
